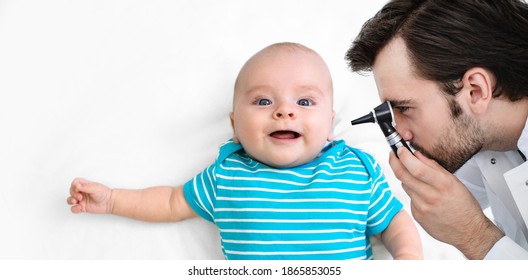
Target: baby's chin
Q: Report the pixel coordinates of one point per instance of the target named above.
(283, 156)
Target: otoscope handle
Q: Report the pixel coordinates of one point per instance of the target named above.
(399, 144)
(393, 137)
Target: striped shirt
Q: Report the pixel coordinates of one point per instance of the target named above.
(325, 209)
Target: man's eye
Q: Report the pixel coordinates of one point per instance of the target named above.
(304, 102)
(264, 102)
(401, 109)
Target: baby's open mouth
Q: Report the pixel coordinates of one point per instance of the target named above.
(285, 134)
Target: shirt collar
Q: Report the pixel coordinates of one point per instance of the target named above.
(522, 143)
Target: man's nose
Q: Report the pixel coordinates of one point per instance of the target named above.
(402, 128)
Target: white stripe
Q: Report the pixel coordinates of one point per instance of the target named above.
(292, 182)
(213, 171)
(295, 173)
(291, 221)
(294, 191)
(241, 162)
(290, 231)
(378, 181)
(206, 192)
(355, 159)
(333, 167)
(290, 210)
(380, 221)
(375, 203)
(293, 242)
(292, 200)
(199, 200)
(384, 216)
(297, 253)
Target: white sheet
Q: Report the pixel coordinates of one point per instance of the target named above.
(137, 93)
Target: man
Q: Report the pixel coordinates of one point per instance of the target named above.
(456, 73)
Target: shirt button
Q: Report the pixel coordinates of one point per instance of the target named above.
(526, 183)
(493, 161)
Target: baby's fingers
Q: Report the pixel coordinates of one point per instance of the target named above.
(77, 208)
(75, 194)
(72, 200)
(77, 205)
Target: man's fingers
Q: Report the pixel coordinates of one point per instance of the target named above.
(412, 183)
(431, 163)
(402, 174)
(419, 166)
(398, 167)
(411, 163)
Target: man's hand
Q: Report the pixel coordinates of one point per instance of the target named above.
(443, 206)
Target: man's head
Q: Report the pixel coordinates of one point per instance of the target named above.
(446, 38)
(445, 66)
(283, 105)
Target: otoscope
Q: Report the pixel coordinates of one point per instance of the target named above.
(383, 116)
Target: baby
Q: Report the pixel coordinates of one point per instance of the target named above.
(281, 188)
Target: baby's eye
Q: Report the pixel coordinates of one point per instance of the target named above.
(264, 102)
(304, 102)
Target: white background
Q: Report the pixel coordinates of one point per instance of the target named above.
(136, 94)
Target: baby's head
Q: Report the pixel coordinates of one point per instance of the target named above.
(283, 105)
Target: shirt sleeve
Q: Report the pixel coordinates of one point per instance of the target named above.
(200, 193)
(506, 249)
(383, 204)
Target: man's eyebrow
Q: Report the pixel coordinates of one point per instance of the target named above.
(401, 102)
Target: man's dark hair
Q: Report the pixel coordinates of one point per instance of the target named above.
(445, 38)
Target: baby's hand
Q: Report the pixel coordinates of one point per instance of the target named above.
(91, 197)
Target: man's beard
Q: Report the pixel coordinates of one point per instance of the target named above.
(458, 143)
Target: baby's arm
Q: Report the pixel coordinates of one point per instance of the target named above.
(156, 204)
(401, 238)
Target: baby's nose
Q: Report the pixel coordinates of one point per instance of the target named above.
(284, 111)
(281, 114)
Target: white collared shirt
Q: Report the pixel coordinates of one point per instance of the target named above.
(514, 245)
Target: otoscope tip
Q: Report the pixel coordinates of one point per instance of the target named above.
(368, 118)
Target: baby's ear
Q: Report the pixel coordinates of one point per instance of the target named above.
(330, 136)
(235, 138)
(232, 118)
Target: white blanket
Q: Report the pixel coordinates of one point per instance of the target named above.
(136, 94)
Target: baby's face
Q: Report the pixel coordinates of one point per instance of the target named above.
(283, 108)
